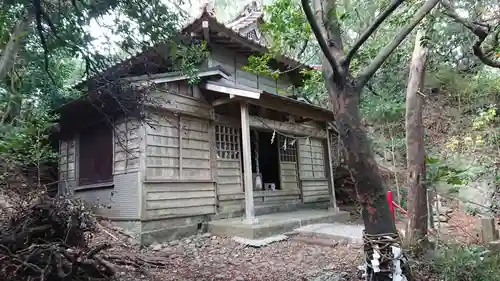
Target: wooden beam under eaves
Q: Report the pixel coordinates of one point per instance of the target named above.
(206, 31)
(223, 101)
(232, 91)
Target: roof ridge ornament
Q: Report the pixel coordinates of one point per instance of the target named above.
(254, 6)
(208, 6)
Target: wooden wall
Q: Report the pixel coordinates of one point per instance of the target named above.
(234, 63)
(123, 194)
(127, 138)
(173, 167)
(229, 178)
(179, 199)
(178, 148)
(312, 169)
(178, 175)
(181, 98)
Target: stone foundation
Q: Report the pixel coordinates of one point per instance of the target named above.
(162, 230)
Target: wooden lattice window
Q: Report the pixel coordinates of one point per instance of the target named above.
(227, 142)
(288, 149)
(317, 157)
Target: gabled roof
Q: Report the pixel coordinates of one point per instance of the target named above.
(226, 34)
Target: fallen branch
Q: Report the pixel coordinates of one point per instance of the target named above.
(48, 240)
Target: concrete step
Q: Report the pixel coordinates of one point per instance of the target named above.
(349, 233)
(274, 224)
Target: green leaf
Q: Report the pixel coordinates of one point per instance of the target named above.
(431, 160)
(455, 180)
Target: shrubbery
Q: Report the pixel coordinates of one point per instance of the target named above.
(466, 263)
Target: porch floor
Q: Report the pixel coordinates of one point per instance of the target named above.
(275, 224)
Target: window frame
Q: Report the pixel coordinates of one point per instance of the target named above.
(229, 137)
(107, 150)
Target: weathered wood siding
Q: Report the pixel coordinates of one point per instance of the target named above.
(127, 138)
(236, 202)
(228, 150)
(234, 63)
(276, 198)
(179, 199)
(312, 171)
(181, 98)
(179, 179)
(315, 190)
(178, 176)
(178, 148)
(123, 194)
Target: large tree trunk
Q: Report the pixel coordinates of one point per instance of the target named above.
(417, 195)
(359, 157)
(10, 51)
(365, 174)
(357, 148)
(7, 61)
(382, 247)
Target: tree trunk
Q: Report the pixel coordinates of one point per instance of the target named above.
(384, 258)
(359, 157)
(370, 190)
(357, 148)
(360, 160)
(13, 46)
(417, 195)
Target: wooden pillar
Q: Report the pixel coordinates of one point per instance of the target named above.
(247, 164)
(331, 183)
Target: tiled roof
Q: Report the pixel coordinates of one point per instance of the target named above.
(250, 14)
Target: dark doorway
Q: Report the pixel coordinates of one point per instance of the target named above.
(268, 159)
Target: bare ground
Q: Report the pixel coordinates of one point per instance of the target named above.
(204, 257)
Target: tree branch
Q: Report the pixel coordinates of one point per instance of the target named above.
(301, 64)
(372, 28)
(303, 49)
(482, 56)
(321, 40)
(372, 68)
(480, 30)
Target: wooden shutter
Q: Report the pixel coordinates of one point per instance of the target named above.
(95, 163)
